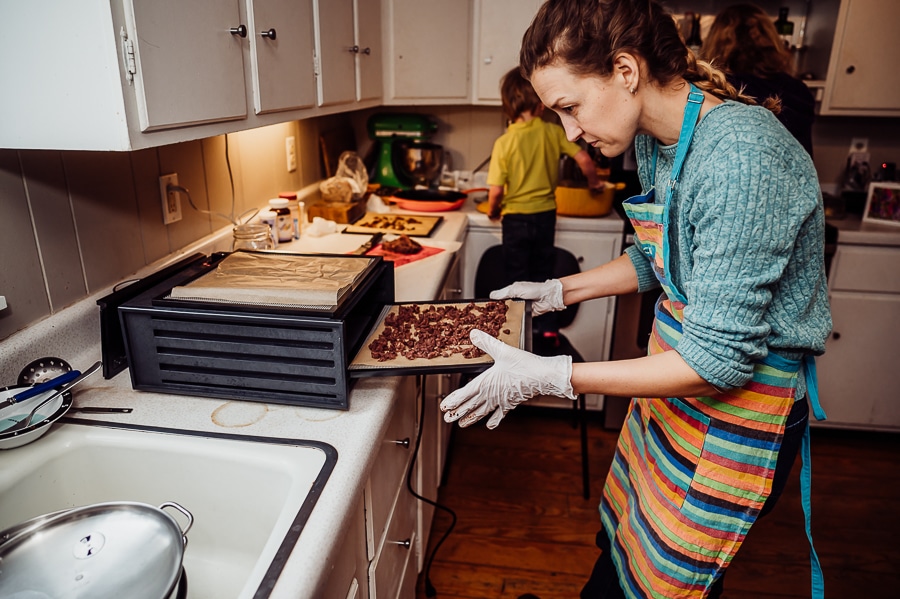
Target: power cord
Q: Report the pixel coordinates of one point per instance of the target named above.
(430, 591)
(229, 217)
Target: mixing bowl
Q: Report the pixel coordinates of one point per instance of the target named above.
(420, 161)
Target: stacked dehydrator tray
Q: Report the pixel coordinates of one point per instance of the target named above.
(285, 353)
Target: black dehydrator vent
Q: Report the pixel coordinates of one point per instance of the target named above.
(275, 355)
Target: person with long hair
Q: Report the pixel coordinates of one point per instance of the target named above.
(730, 229)
(744, 43)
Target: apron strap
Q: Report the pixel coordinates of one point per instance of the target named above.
(812, 391)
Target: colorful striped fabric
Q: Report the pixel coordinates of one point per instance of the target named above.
(689, 477)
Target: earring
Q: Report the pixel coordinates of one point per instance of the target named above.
(633, 90)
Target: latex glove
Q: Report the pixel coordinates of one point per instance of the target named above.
(516, 376)
(546, 296)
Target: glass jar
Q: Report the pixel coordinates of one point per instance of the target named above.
(255, 236)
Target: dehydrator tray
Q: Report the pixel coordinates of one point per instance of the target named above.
(367, 362)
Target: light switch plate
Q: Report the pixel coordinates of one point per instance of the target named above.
(171, 198)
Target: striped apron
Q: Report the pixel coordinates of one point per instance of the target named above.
(691, 474)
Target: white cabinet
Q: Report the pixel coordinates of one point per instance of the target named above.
(281, 37)
(346, 577)
(348, 50)
(337, 61)
(498, 29)
(174, 46)
(857, 373)
(862, 74)
(390, 508)
(132, 74)
(369, 80)
(427, 50)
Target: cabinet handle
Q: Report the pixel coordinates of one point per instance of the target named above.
(488, 59)
(403, 442)
(405, 544)
(835, 335)
(851, 69)
(367, 51)
(240, 30)
(354, 49)
(269, 34)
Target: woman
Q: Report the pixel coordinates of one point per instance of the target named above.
(730, 228)
(744, 43)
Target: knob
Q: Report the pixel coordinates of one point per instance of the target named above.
(403, 442)
(269, 34)
(405, 544)
(851, 69)
(367, 51)
(354, 49)
(489, 60)
(835, 335)
(240, 30)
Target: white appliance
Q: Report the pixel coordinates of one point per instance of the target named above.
(593, 241)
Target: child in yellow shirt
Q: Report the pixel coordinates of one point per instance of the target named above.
(522, 180)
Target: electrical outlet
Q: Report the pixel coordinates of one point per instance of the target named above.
(290, 151)
(171, 198)
(859, 145)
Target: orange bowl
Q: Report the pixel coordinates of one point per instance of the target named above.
(581, 201)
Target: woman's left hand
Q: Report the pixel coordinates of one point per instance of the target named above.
(516, 376)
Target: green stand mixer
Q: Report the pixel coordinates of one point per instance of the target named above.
(403, 158)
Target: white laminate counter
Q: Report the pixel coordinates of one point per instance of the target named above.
(73, 334)
(852, 230)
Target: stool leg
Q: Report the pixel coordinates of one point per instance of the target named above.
(585, 474)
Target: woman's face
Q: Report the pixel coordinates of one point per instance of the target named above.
(599, 110)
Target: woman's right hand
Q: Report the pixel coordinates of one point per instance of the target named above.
(545, 297)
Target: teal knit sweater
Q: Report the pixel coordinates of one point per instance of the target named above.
(746, 235)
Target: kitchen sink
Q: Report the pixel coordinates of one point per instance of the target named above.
(249, 496)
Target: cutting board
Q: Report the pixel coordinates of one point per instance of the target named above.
(414, 225)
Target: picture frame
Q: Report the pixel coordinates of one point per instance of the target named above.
(883, 203)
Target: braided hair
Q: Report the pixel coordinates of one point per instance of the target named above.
(586, 35)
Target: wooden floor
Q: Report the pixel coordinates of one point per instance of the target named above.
(524, 527)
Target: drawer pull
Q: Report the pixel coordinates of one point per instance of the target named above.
(240, 30)
(405, 544)
(403, 442)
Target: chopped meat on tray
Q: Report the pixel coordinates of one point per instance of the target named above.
(437, 331)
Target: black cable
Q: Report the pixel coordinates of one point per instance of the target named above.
(430, 591)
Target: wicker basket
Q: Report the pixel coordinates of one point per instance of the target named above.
(581, 201)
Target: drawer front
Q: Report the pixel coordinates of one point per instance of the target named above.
(866, 268)
(396, 559)
(388, 475)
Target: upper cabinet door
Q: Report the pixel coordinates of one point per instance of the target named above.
(282, 54)
(337, 58)
(427, 51)
(189, 68)
(499, 27)
(368, 60)
(863, 78)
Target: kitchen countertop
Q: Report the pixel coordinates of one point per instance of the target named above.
(852, 230)
(73, 334)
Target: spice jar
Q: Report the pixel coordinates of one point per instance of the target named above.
(294, 207)
(256, 236)
(284, 221)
